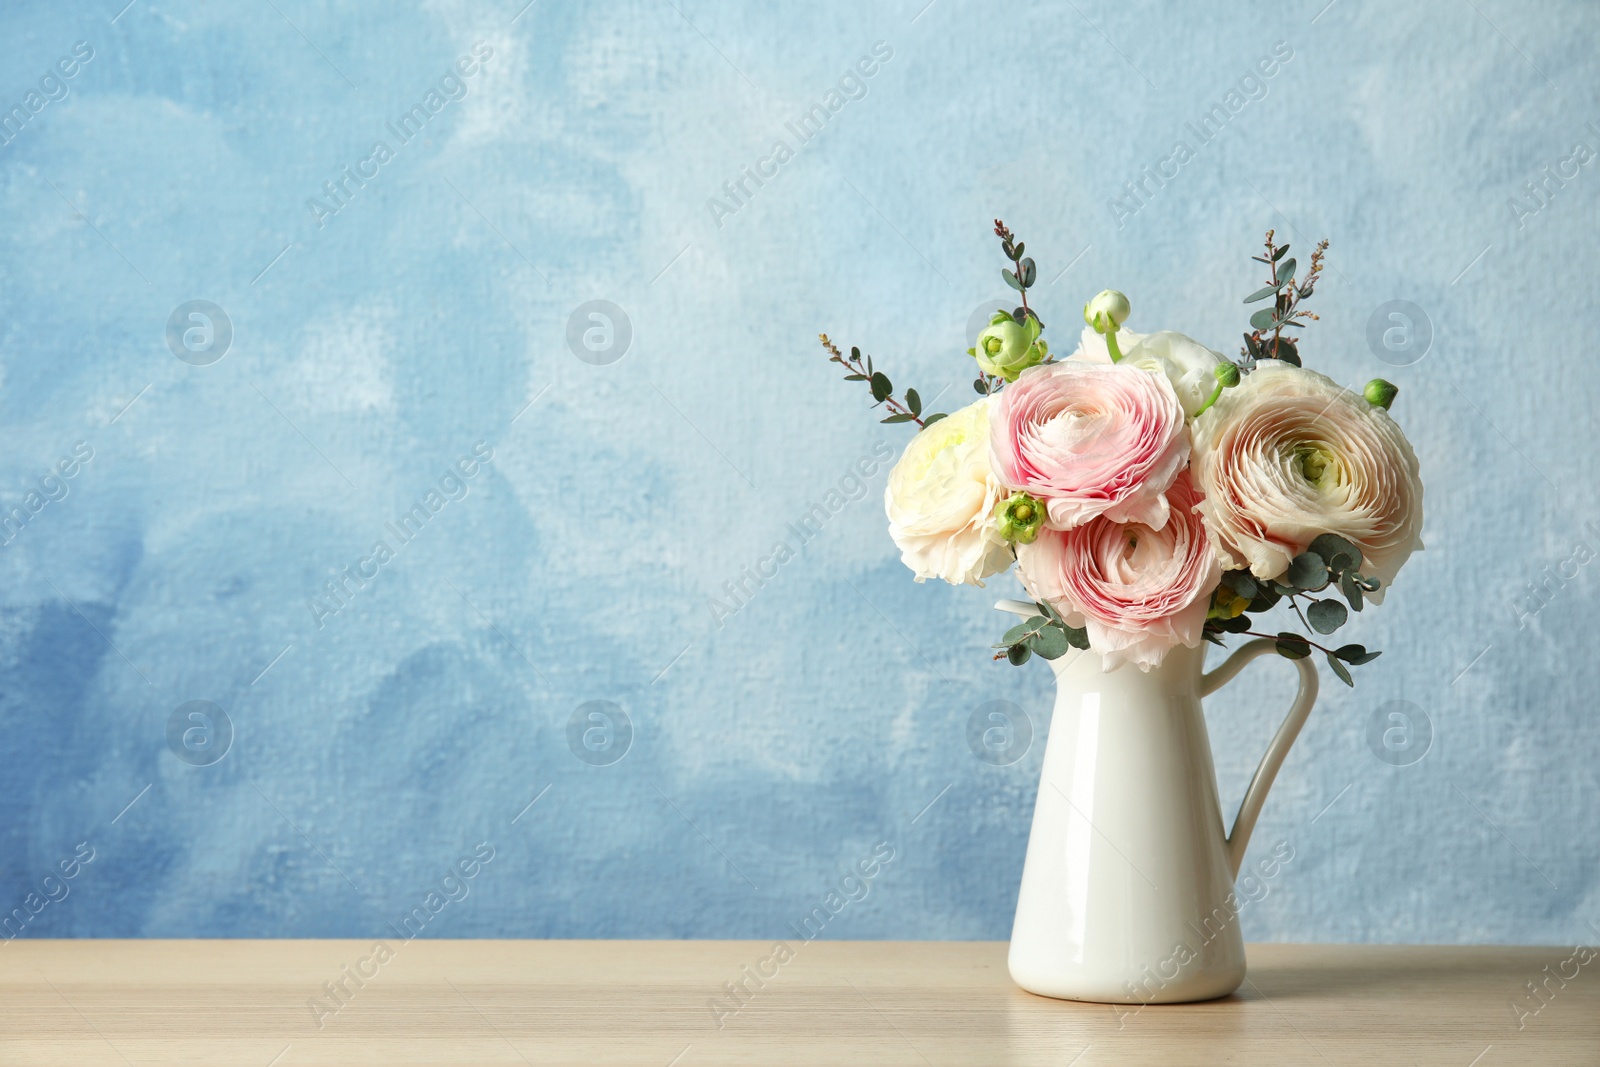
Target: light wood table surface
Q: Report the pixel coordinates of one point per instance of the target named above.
(856, 1003)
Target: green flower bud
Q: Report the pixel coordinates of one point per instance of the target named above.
(1380, 393)
(1007, 347)
(1107, 311)
(1227, 373)
(1019, 517)
(1226, 604)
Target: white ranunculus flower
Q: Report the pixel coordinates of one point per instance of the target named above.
(1288, 454)
(1189, 365)
(941, 499)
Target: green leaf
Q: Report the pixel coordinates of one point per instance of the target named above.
(855, 377)
(1331, 546)
(1326, 616)
(1262, 294)
(1307, 571)
(1236, 625)
(902, 417)
(1013, 635)
(980, 386)
(1050, 642)
(1263, 319)
(1029, 273)
(1288, 351)
(1356, 654)
(1018, 654)
(1011, 279)
(1293, 646)
(1350, 586)
(931, 419)
(1077, 636)
(1241, 583)
(1285, 270)
(1266, 599)
(914, 402)
(1017, 251)
(881, 388)
(855, 353)
(1279, 253)
(1341, 670)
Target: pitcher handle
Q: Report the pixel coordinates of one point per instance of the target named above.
(1255, 796)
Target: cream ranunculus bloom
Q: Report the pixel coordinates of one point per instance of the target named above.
(1288, 454)
(1189, 365)
(941, 499)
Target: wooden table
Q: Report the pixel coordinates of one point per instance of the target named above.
(654, 1003)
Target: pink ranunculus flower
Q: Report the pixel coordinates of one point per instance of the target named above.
(1090, 439)
(1139, 591)
(1288, 454)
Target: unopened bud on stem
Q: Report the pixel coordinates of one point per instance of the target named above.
(1380, 393)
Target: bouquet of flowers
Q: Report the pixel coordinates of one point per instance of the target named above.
(1153, 492)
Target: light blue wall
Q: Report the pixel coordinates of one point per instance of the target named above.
(776, 749)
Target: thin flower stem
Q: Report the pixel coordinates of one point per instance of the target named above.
(1212, 399)
(857, 367)
(1274, 637)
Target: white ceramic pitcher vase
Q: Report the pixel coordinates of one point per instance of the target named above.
(1127, 890)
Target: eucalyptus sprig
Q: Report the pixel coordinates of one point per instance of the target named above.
(1024, 271)
(1286, 294)
(860, 368)
(1330, 560)
(1046, 633)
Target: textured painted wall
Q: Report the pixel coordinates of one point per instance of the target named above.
(409, 341)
